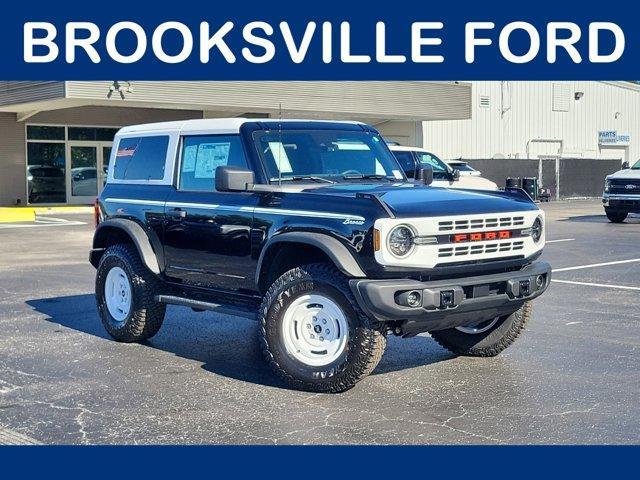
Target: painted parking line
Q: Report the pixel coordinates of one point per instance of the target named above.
(11, 437)
(594, 265)
(601, 285)
(560, 240)
(44, 222)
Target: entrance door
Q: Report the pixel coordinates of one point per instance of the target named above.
(86, 172)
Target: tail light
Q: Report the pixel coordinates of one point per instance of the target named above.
(96, 212)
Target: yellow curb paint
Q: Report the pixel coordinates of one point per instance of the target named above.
(17, 214)
(63, 209)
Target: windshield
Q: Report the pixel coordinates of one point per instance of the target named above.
(463, 167)
(326, 156)
(636, 166)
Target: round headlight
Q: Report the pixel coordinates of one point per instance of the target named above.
(401, 241)
(607, 185)
(536, 230)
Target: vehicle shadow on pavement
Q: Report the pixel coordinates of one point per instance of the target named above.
(226, 346)
(596, 219)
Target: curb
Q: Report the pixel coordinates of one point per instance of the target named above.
(17, 214)
(63, 210)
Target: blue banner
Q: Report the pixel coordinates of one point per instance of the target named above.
(326, 40)
(304, 462)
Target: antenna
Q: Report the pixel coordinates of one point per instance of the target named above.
(280, 146)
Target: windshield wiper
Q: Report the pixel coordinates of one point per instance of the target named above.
(367, 177)
(302, 178)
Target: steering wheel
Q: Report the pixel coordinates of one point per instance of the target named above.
(351, 172)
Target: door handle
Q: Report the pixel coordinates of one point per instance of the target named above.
(177, 213)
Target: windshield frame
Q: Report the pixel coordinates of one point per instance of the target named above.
(390, 162)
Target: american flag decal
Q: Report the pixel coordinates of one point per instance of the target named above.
(126, 152)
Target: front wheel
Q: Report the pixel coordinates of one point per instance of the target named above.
(486, 339)
(616, 216)
(314, 334)
(125, 295)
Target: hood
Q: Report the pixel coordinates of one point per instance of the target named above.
(623, 174)
(414, 200)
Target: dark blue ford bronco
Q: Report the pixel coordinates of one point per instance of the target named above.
(312, 228)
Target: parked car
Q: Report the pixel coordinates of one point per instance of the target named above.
(463, 167)
(414, 158)
(622, 193)
(311, 228)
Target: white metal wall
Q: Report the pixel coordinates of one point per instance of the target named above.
(522, 119)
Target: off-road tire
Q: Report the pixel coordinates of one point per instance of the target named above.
(616, 216)
(146, 315)
(489, 343)
(365, 344)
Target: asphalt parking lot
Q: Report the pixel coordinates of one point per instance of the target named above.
(572, 377)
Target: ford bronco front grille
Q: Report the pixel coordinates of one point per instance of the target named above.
(481, 249)
(480, 223)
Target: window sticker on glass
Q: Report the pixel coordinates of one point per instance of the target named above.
(209, 157)
(189, 161)
(352, 146)
(280, 156)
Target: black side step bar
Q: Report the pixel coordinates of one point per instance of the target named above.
(234, 310)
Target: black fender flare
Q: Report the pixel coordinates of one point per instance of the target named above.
(140, 237)
(332, 247)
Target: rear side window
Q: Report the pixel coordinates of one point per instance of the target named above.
(141, 158)
(201, 155)
(407, 162)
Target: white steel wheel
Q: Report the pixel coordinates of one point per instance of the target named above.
(117, 294)
(315, 330)
(480, 328)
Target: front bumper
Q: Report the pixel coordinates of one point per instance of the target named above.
(453, 302)
(627, 203)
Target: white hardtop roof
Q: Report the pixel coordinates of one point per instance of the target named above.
(402, 148)
(212, 125)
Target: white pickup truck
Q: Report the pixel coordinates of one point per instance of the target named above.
(413, 158)
(622, 193)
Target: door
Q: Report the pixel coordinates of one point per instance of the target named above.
(86, 172)
(207, 237)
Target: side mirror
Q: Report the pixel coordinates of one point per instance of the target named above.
(625, 166)
(425, 174)
(233, 179)
(455, 175)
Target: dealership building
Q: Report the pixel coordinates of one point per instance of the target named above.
(543, 120)
(56, 136)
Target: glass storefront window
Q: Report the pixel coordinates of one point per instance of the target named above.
(46, 173)
(92, 134)
(49, 172)
(40, 132)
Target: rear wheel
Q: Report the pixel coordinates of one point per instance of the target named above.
(486, 339)
(125, 295)
(616, 216)
(314, 334)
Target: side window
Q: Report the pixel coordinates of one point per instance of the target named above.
(435, 162)
(407, 162)
(141, 158)
(201, 155)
